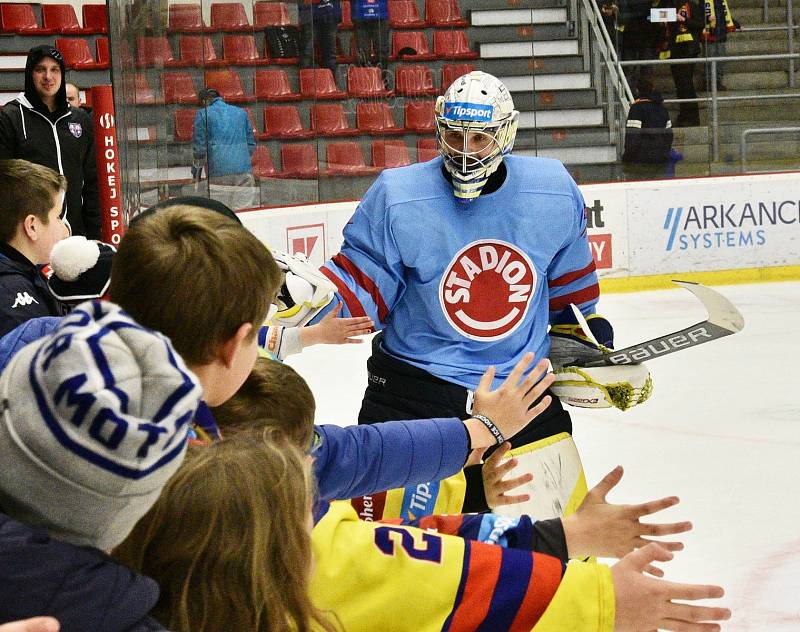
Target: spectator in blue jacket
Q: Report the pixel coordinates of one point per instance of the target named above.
(370, 22)
(222, 138)
(319, 22)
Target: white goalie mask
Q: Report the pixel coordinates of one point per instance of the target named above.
(475, 127)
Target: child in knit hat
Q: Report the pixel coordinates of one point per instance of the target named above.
(95, 418)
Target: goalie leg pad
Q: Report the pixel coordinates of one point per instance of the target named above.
(558, 486)
(620, 386)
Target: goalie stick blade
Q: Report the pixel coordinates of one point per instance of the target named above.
(723, 319)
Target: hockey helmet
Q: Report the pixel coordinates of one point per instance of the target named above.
(475, 127)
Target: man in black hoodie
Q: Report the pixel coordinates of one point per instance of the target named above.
(41, 127)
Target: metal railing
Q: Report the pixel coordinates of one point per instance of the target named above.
(761, 130)
(715, 98)
(790, 27)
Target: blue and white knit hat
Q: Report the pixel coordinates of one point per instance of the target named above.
(95, 418)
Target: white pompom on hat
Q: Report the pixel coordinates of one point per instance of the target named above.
(81, 268)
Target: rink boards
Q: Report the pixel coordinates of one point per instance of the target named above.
(738, 229)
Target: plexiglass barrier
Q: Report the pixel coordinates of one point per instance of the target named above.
(279, 103)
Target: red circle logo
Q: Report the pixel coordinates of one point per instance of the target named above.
(486, 289)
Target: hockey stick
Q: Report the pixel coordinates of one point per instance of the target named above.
(723, 319)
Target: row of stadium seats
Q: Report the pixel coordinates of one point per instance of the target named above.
(315, 83)
(56, 19)
(229, 16)
(242, 50)
(188, 18)
(345, 158)
(373, 118)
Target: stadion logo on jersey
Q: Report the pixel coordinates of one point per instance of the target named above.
(734, 225)
(463, 111)
(486, 289)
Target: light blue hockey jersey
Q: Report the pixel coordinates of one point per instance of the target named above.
(458, 287)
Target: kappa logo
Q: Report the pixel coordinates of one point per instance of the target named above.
(486, 290)
(76, 129)
(23, 298)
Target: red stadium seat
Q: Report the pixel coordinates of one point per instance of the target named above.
(229, 16)
(347, 159)
(229, 86)
(318, 83)
(283, 121)
(61, 18)
(178, 87)
(198, 50)
(366, 82)
(415, 41)
(76, 54)
(444, 13)
(186, 18)
(451, 72)
(155, 52)
(241, 50)
(263, 166)
(102, 51)
(404, 14)
(375, 117)
(299, 161)
(330, 119)
(390, 153)
(347, 18)
(427, 149)
(95, 18)
(271, 14)
(184, 120)
(19, 18)
(144, 94)
(452, 45)
(273, 85)
(415, 80)
(419, 116)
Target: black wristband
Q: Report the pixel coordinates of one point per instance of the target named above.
(498, 436)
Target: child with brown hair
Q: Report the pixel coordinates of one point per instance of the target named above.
(31, 199)
(236, 513)
(522, 584)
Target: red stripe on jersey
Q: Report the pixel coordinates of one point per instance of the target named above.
(568, 278)
(484, 570)
(353, 304)
(450, 525)
(590, 293)
(545, 580)
(364, 281)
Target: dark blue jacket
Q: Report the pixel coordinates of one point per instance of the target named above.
(81, 587)
(23, 291)
(362, 460)
(369, 9)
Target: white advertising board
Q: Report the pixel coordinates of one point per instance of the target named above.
(714, 224)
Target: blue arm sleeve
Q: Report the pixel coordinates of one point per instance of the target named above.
(368, 271)
(23, 334)
(362, 460)
(571, 277)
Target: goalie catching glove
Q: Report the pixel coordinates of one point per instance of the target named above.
(620, 386)
(304, 291)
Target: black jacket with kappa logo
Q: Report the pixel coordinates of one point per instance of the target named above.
(23, 291)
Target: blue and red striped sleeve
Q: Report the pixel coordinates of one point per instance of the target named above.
(503, 589)
(505, 531)
(572, 276)
(368, 271)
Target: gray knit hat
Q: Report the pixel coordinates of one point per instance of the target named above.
(95, 419)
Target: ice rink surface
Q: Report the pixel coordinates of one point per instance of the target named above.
(721, 431)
